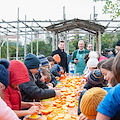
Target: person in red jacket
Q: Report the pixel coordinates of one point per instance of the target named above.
(12, 96)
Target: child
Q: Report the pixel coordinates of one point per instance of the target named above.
(92, 62)
(95, 79)
(45, 76)
(86, 58)
(100, 63)
(90, 101)
(57, 58)
(12, 95)
(55, 69)
(29, 90)
(6, 112)
(45, 63)
(111, 102)
(106, 69)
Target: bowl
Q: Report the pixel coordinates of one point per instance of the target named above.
(39, 117)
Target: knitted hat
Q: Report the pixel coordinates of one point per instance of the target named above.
(57, 58)
(4, 73)
(31, 61)
(90, 101)
(43, 60)
(92, 62)
(118, 43)
(93, 54)
(95, 78)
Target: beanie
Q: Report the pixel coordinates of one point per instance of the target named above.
(118, 43)
(95, 78)
(57, 58)
(90, 101)
(4, 73)
(43, 60)
(93, 54)
(31, 61)
(92, 62)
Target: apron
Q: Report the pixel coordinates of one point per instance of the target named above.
(80, 66)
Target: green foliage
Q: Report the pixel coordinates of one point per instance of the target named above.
(43, 48)
(108, 41)
(12, 49)
(111, 7)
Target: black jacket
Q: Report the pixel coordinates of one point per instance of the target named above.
(63, 56)
(40, 84)
(31, 91)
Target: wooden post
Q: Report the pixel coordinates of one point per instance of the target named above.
(97, 42)
(57, 39)
(99, 34)
(93, 42)
(53, 42)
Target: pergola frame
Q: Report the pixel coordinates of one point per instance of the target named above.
(30, 27)
(86, 25)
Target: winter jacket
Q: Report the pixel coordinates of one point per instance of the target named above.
(63, 56)
(54, 71)
(30, 91)
(53, 80)
(6, 113)
(18, 74)
(111, 102)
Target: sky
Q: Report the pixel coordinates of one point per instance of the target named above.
(50, 9)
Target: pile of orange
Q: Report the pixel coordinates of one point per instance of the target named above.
(60, 107)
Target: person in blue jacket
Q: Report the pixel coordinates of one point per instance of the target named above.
(111, 102)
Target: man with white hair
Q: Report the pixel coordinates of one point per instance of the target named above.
(78, 57)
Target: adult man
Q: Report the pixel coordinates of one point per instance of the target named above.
(78, 57)
(89, 47)
(63, 63)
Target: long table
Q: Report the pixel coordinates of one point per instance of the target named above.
(64, 107)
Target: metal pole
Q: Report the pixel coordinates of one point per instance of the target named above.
(99, 34)
(17, 36)
(94, 13)
(37, 44)
(7, 47)
(31, 42)
(25, 40)
(64, 15)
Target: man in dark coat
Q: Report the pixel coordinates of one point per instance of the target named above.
(63, 63)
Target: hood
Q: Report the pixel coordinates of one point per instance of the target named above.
(18, 73)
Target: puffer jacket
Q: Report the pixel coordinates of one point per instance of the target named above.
(30, 91)
(18, 74)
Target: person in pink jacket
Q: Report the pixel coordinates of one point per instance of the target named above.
(6, 113)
